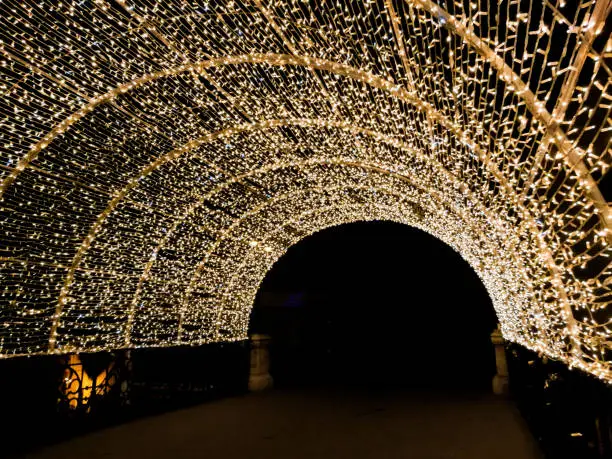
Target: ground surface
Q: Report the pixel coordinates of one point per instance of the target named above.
(318, 424)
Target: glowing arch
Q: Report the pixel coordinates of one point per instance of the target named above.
(350, 214)
(142, 144)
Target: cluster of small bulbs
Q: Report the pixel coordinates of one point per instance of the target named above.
(157, 157)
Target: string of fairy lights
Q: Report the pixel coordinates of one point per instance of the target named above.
(157, 157)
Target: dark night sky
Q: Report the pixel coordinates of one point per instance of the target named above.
(377, 303)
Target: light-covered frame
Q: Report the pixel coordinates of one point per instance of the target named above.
(157, 157)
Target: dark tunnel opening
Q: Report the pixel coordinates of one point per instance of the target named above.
(376, 304)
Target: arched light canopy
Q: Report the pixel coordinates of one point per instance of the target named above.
(157, 157)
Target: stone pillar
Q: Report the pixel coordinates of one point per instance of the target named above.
(259, 378)
(500, 380)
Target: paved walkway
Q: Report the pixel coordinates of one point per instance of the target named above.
(318, 424)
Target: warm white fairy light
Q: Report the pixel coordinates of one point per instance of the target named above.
(157, 157)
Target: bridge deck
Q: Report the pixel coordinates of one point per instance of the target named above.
(318, 424)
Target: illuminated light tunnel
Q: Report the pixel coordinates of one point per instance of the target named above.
(156, 158)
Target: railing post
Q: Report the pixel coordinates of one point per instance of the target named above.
(500, 380)
(259, 377)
